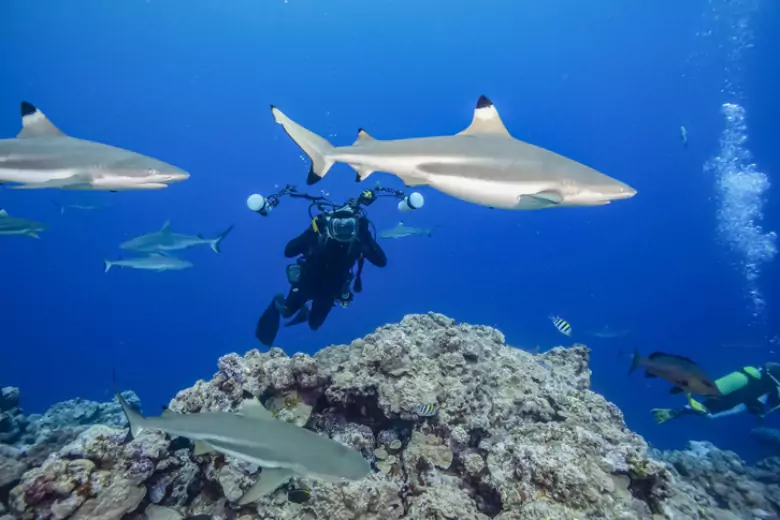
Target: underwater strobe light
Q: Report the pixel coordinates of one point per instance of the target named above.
(259, 204)
(411, 202)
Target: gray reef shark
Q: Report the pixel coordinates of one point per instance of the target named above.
(166, 240)
(41, 156)
(483, 165)
(282, 449)
(19, 226)
(153, 262)
(402, 231)
(81, 206)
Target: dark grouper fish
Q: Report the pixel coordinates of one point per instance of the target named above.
(683, 373)
(282, 449)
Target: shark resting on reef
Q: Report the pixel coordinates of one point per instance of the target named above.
(483, 165)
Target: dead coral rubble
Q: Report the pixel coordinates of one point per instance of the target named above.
(516, 437)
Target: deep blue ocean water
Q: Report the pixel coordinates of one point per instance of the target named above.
(607, 83)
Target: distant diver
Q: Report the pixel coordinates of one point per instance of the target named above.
(339, 238)
(749, 389)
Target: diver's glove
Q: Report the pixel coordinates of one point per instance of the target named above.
(661, 415)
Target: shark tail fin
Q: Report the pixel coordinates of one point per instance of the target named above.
(313, 145)
(134, 418)
(215, 243)
(636, 361)
(107, 264)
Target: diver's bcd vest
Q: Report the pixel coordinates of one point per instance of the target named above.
(729, 384)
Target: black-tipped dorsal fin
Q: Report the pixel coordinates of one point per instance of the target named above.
(363, 137)
(35, 124)
(486, 120)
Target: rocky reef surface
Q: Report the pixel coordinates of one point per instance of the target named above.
(514, 436)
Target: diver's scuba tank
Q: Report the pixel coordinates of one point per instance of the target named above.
(411, 202)
(259, 204)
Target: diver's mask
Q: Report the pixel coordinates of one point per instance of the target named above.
(342, 226)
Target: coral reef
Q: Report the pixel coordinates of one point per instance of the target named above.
(515, 436)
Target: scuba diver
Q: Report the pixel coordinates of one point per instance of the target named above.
(339, 238)
(751, 389)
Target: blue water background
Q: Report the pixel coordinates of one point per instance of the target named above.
(607, 83)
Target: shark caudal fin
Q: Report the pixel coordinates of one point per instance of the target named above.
(134, 419)
(215, 243)
(107, 265)
(314, 146)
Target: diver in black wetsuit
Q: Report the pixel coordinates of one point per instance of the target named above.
(338, 239)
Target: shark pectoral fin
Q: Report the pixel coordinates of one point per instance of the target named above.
(35, 124)
(486, 120)
(202, 448)
(269, 481)
(32, 234)
(549, 197)
(254, 408)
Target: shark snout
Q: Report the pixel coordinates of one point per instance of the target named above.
(175, 177)
(623, 192)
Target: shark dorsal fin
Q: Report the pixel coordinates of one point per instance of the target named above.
(364, 136)
(486, 120)
(166, 228)
(400, 223)
(254, 408)
(3, 213)
(35, 124)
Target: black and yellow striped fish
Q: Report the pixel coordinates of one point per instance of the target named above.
(562, 325)
(427, 410)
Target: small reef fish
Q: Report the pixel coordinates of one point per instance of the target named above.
(253, 435)
(153, 262)
(19, 226)
(684, 136)
(41, 156)
(482, 164)
(402, 231)
(298, 495)
(166, 240)
(682, 372)
(562, 325)
(427, 410)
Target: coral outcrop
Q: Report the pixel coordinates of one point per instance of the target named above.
(515, 436)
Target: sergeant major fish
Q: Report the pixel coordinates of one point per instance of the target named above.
(562, 325)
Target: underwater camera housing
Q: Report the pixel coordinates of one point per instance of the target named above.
(264, 205)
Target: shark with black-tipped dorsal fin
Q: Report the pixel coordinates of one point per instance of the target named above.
(41, 156)
(483, 165)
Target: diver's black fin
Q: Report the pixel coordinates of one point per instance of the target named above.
(268, 325)
(302, 316)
